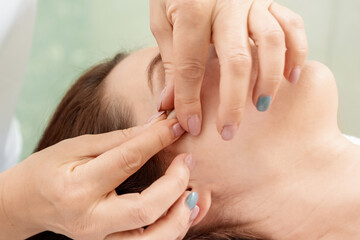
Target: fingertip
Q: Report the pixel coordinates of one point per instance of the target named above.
(178, 131)
(191, 200)
(263, 103)
(229, 120)
(295, 75)
(228, 132)
(194, 213)
(187, 159)
(194, 124)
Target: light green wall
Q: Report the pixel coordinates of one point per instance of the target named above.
(69, 37)
(72, 35)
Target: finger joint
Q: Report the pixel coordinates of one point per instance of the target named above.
(191, 71)
(130, 160)
(297, 22)
(240, 59)
(191, 10)
(274, 37)
(144, 215)
(302, 51)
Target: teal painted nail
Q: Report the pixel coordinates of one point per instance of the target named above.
(263, 103)
(192, 200)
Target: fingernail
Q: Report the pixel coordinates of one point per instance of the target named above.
(194, 213)
(192, 200)
(194, 125)
(161, 98)
(295, 75)
(229, 132)
(177, 130)
(155, 116)
(263, 103)
(190, 162)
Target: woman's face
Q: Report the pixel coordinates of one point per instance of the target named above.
(258, 156)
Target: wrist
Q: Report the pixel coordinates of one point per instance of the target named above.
(15, 209)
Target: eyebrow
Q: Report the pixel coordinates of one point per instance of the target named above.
(150, 70)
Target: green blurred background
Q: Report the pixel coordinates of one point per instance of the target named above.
(72, 35)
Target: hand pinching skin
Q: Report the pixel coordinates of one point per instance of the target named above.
(184, 30)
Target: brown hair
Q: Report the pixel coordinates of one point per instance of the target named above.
(86, 110)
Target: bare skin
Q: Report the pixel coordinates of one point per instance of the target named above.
(184, 30)
(68, 194)
(287, 174)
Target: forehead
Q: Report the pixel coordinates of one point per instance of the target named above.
(128, 82)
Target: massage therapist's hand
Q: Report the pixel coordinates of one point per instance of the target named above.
(69, 189)
(184, 29)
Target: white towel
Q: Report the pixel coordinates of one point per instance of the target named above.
(353, 139)
(17, 18)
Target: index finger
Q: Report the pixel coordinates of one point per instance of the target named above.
(233, 49)
(112, 168)
(95, 145)
(191, 42)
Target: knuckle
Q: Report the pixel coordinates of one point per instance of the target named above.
(169, 68)
(193, 8)
(130, 160)
(162, 137)
(144, 215)
(188, 12)
(274, 37)
(302, 51)
(157, 29)
(274, 78)
(235, 109)
(240, 59)
(231, 113)
(191, 70)
(187, 100)
(297, 21)
(126, 133)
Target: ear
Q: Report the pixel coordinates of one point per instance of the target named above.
(204, 202)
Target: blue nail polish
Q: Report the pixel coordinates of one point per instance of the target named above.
(263, 103)
(192, 200)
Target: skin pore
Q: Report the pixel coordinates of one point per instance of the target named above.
(288, 173)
